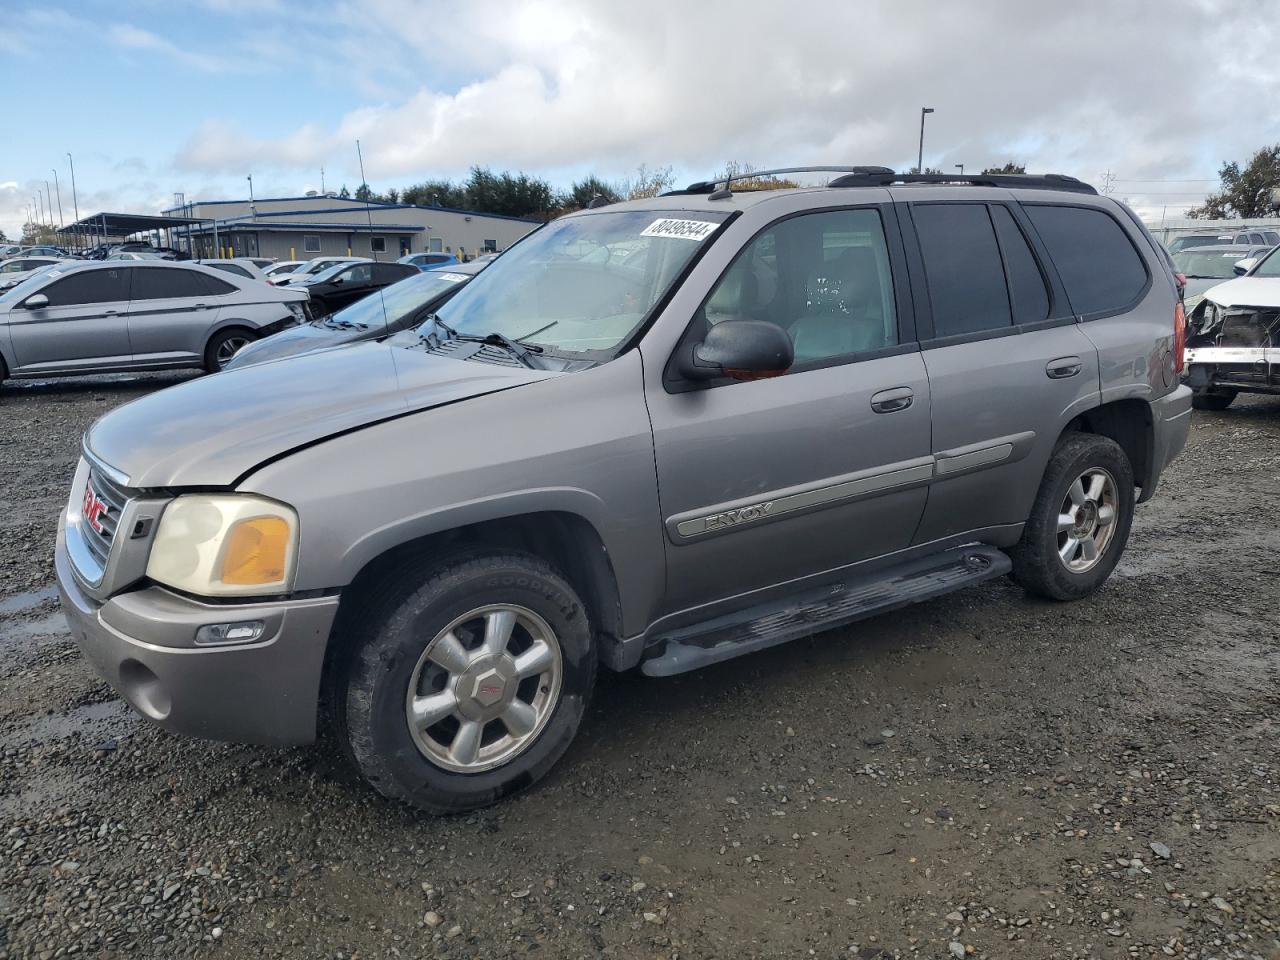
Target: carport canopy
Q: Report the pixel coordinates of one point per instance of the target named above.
(126, 224)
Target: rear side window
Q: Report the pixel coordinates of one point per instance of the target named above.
(1096, 260)
(235, 268)
(391, 272)
(963, 268)
(215, 287)
(89, 286)
(158, 283)
(1026, 283)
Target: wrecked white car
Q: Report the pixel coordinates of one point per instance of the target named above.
(1233, 337)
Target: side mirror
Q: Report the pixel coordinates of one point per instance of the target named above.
(739, 350)
(337, 281)
(1241, 267)
(37, 301)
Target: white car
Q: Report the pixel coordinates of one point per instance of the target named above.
(281, 267)
(1233, 336)
(310, 268)
(240, 266)
(17, 269)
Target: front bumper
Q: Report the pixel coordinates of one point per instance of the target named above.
(143, 644)
(1251, 369)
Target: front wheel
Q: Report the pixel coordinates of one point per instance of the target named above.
(1080, 521)
(468, 686)
(1206, 399)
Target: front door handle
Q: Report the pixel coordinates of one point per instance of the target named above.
(110, 313)
(891, 401)
(1063, 367)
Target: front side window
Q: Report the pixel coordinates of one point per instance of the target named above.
(89, 286)
(1098, 263)
(1270, 267)
(360, 273)
(311, 244)
(583, 284)
(963, 268)
(822, 277)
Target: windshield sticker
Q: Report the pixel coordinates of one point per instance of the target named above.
(679, 229)
(452, 277)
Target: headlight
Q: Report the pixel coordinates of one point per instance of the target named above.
(298, 310)
(232, 545)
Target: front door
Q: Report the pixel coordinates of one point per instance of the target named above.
(83, 325)
(768, 481)
(357, 281)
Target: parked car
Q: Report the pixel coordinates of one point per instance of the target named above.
(402, 306)
(1247, 238)
(795, 409)
(8, 250)
(262, 263)
(345, 283)
(1204, 267)
(309, 268)
(17, 269)
(1233, 337)
(102, 316)
(137, 255)
(44, 250)
(282, 267)
(426, 261)
(240, 266)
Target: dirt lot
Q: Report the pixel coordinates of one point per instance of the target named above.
(981, 774)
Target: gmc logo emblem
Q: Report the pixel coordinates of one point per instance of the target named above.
(93, 509)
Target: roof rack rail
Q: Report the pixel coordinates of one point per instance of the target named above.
(1013, 181)
(709, 186)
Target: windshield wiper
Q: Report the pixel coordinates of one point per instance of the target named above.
(344, 324)
(520, 351)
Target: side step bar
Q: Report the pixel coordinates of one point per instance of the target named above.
(768, 625)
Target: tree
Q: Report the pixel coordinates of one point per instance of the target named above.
(749, 182)
(344, 193)
(648, 183)
(582, 192)
(1009, 167)
(38, 233)
(1244, 193)
(3, 238)
(364, 192)
(435, 193)
(514, 196)
(929, 171)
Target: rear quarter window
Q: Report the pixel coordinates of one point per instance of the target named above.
(1098, 263)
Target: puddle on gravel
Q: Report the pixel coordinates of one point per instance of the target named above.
(50, 626)
(20, 602)
(93, 721)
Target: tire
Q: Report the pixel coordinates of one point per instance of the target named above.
(1219, 399)
(1044, 562)
(216, 352)
(429, 768)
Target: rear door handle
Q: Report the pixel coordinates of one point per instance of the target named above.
(890, 401)
(1063, 367)
(110, 313)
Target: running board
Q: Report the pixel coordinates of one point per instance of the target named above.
(835, 605)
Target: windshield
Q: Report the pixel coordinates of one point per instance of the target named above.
(1181, 243)
(398, 301)
(1208, 266)
(582, 284)
(1270, 267)
(328, 273)
(316, 267)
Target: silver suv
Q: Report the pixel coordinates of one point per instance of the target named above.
(657, 434)
(98, 317)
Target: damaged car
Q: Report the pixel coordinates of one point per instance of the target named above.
(1233, 338)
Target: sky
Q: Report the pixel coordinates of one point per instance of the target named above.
(158, 97)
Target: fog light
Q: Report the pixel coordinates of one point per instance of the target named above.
(215, 634)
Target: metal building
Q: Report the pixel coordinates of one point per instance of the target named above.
(299, 228)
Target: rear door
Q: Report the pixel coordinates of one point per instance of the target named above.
(1007, 363)
(83, 326)
(765, 482)
(171, 311)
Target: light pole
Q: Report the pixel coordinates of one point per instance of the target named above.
(960, 167)
(48, 205)
(920, 157)
(57, 188)
(75, 203)
(250, 179)
(40, 206)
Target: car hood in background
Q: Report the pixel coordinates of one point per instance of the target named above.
(300, 339)
(212, 431)
(1246, 292)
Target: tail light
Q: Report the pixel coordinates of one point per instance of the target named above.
(1181, 280)
(1179, 338)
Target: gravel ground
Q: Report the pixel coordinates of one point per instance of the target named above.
(982, 775)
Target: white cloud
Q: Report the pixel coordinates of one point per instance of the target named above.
(573, 85)
(129, 37)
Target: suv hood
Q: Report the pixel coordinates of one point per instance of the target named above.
(1247, 292)
(212, 431)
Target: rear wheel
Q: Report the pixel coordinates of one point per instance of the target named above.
(225, 345)
(1213, 399)
(468, 686)
(1080, 521)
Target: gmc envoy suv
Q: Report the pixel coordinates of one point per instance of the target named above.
(657, 434)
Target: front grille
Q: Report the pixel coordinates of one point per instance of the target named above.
(471, 350)
(114, 497)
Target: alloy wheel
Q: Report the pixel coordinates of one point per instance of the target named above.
(1087, 519)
